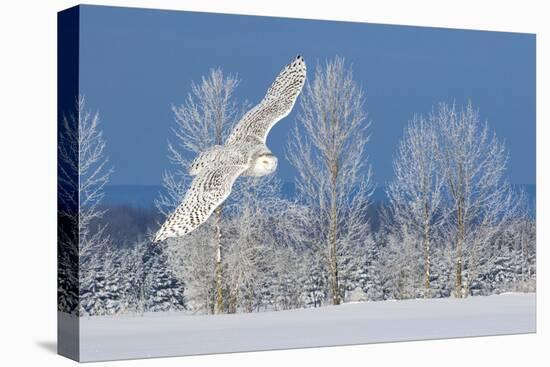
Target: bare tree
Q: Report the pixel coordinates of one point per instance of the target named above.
(333, 177)
(401, 263)
(415, 194)
(204, 120)
(191, 260)
(265, 255)
(479, 197)
(251, 242)
(83, 166)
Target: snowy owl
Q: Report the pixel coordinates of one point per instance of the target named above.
(244, 153)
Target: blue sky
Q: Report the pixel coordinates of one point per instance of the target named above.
(136, 63)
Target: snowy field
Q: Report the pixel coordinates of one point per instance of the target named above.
(171, 334)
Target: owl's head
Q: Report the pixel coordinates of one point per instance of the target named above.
(264, 164)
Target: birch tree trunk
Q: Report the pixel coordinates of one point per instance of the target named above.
(334, 281)
(459, 290)
(427, 253)
(219, 271)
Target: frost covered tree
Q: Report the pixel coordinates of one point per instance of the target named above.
(288, 277)
(401, 264)
(117, 284)
(415, 196)
(251, 242)
(255, 237)
(192, 260)
(450, 205)
(67, 215)
(514, 269)
(478, 195)
(131, 280)
(121, 286)
(264, 255)
(333, 177)
(203, 120)
(526, 234)
(84, 166)
(316, 283)
(162, 290)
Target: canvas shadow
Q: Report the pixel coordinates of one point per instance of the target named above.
(48, 345)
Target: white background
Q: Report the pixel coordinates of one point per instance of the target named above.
(28, 181)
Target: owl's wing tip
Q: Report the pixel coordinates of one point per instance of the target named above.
(159, 237)
(299, 60)
(299, 63)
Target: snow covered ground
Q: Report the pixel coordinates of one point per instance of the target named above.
(171, 334)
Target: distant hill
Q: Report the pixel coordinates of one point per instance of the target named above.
(137, 196)
(131, 211)
(143, 196)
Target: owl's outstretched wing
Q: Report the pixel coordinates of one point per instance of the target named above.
(208, 190)
(277, 103)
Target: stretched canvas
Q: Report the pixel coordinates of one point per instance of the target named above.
(233, 183)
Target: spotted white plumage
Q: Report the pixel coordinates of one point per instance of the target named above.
(277, 104)
(244, 153)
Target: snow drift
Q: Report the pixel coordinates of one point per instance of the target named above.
(173, 333)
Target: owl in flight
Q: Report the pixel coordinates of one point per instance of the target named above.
(244, 153)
